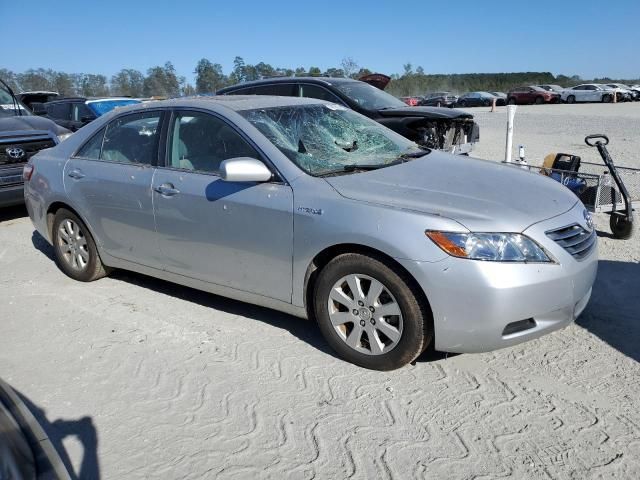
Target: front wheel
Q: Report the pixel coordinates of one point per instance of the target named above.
(539, 100)
(571, 99)
(369, 314)
(75, 250)
(620, 226)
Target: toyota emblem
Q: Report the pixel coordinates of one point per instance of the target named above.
(15, 153)
(589, 219)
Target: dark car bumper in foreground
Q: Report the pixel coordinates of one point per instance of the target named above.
(11, 195)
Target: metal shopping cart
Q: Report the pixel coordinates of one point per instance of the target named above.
(611, 191)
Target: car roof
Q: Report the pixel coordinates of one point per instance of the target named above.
(237, 103)
(272, 80)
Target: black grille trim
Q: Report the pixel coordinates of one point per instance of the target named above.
(30, 148)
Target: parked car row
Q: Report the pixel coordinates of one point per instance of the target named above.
(531, 94)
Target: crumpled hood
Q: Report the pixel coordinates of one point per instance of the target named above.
(29, 124)
(481, 195)
(427, 112)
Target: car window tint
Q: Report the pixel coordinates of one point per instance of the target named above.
(61, 111)
(242, 91)
(200, 141)
(91, 149)
(132, 139)
(280, 89)
(80, 111)
(315, 91)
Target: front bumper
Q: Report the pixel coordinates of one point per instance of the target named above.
(473, 301)
(11, 195)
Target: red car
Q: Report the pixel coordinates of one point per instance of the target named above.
(537, 95)
(411, 101)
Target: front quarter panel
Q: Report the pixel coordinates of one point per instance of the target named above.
(323, 219)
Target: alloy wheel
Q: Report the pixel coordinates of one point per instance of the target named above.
(73, 245)
(365, 314)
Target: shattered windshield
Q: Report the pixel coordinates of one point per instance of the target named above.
(327, 138)
(369, 97)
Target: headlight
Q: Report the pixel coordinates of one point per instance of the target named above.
(64, 136)
(493, 247)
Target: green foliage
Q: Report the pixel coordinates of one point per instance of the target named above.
(162, 81)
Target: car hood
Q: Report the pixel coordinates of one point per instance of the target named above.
(481, 195)
(29, 124)
(426, 112)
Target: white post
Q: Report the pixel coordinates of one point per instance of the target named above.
(511, 112)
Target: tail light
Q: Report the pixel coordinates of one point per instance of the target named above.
(413, 102)
(27, 171)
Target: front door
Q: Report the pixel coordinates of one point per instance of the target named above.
(110, 181)
(238, 235)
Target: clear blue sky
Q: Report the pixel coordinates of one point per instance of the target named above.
(586, 38)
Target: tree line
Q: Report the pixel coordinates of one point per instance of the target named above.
(163, 80)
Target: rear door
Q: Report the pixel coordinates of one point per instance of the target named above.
(238, 235)
(109, 181)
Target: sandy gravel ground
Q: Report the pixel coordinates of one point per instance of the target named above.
(140, 378)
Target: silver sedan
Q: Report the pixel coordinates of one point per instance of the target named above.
(309, 208)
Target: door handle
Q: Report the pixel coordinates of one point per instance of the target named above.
(167, 189)
(75, 173)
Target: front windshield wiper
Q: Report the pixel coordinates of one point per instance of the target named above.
(355, 167)
(420, 153)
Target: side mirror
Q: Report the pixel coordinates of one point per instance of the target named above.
(38, 109)
(244, 169)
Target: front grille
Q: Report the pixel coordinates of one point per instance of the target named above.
(574, 239)
(28, 148)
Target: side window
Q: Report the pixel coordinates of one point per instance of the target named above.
(60, 111)
(132, 139)
(242, 91)
(80, 111)
(91, 150)
(280, 89)
(315, 91)
(200, 141)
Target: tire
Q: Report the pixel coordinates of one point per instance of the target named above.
(357, 336)
(462, 104)
(539, 100)
(607, 98)
(620, 227)
(486, 103)
(512, 101)
(571, 99)
(75, 250)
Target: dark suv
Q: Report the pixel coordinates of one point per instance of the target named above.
(22, 135)
(440, 128)
(531, 94)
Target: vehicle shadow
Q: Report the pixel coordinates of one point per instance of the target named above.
(304, 330)
(613, 314)
(12, 213)
(82, 429)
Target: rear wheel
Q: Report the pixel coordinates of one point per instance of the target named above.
(571, 99)
(75, 250)
(369, 314)
(607, 98)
